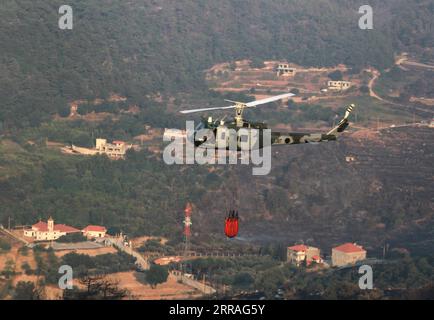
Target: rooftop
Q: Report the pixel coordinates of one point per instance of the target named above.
(43, 227)
(298, 248)
(349, 248)
(95, 228)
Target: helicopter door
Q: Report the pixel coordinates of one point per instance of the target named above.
(244, 139)
(232, 139)
(222, 137)
(226, 138)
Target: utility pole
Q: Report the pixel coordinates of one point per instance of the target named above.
(9, 223)
(187, 228)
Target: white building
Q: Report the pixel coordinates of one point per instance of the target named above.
(46, 231)
(94, 231)
(301, 253)
(338, 85)
(116, 150)
(174, 133)
(284, 69)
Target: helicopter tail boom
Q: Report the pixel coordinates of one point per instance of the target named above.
(279, 138)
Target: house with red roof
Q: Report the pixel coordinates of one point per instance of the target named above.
(347, 254)
(301, 253)
(92, 231)
(46, 231)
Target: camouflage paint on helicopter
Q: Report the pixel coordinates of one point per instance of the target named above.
(219, 134)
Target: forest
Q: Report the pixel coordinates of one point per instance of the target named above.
(140, 49)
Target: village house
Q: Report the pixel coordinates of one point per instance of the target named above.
(347, 254)
(338, 85)
(284, 69)
(48, 230)
(116, 150)
(301, 253)
(94, 231)
(174, 133)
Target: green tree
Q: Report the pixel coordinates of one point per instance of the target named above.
(72, 237)
(26, 290)
(27, 269)
(364, 89)
(4, 245)
(243, 280)
(156, 275)
(64, 110)
(335, 75)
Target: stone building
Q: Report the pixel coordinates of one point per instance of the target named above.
(347, 254)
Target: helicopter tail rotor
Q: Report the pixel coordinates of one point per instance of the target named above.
(343, 124)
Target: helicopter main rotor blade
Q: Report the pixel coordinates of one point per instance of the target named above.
(270, 99)
(249, 104)
(206, 109)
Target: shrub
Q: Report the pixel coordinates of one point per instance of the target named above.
(72, 237)
(4, 245)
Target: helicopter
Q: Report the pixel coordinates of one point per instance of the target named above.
(224, 134)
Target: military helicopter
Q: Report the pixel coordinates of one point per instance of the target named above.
(226, 134)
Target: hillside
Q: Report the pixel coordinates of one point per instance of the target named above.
(367, 187)
(138, 48)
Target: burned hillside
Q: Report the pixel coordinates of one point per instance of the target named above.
(365, 187)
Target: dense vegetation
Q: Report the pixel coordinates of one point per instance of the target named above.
(138, 48)
(100, 264)
(26, 290)
(399, 276)
(154, 53)
(404, 278)
(240, 272)
(83, 265)
(137, 196)
(72, 237)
